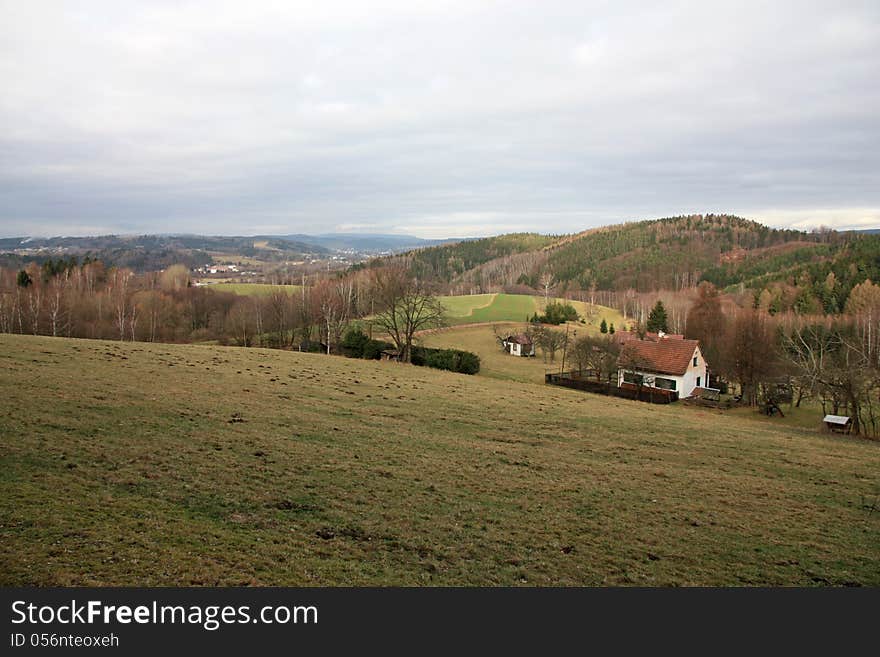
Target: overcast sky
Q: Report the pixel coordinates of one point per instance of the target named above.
(436, 119)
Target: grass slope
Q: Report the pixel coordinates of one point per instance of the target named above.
(121, 465)
(494, 362)
(479, 308)
(464, 305)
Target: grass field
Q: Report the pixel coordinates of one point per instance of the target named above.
(254, 289)
(478, 308)
(494, 362)
(138, 464)
(464, 305)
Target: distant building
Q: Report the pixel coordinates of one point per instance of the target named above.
(663, 361)
(519, 345)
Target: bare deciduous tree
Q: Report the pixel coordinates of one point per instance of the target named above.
(407, 306)
(835, 363)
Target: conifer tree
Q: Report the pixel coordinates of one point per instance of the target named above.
(657, 320)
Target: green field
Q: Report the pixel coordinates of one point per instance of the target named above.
(464, 305)
(253, 289)
(494, 362)
(141, 464)
(479, 308)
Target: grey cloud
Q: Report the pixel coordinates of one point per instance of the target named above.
(461, 118)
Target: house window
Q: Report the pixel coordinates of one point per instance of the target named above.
(698, 383)
(665, 384)
(632, 377)
(695, 361)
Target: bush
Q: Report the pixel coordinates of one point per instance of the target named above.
(357, 344)
(354, 343)
(441, 359)
(452, 360)
(556, 313)
(468, 363)
(373, 349)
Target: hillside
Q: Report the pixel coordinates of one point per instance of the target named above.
(451, 260)
(153, 252)
(140, 464)
(666, 254)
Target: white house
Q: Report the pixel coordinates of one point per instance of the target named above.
(668, 363)
(519, 345)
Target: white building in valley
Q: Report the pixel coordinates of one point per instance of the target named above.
(663, 361)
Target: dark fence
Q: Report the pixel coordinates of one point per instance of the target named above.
(579, 381)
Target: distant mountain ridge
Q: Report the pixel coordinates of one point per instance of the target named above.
(318, 244)
(367, 242)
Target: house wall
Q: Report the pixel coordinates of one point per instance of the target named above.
(689, 380)
(684, 384)
(516, 349)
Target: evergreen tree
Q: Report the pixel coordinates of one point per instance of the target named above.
(611, 329)
(24, 279)
(657, 320)
(603, 327)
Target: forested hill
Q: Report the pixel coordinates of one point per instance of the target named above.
(451, 260)
(664, 253)
(671, 253)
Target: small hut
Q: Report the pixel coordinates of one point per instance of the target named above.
(389, 354)
(518, 345)
(838, 423)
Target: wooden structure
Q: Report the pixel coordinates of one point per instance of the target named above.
(626, 390)
(838, 423)
(707, 394)
(389, 354)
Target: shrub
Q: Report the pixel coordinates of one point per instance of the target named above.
(453, 360)
(468, 363)
(556, 313)
(373, 349)
(354, 343)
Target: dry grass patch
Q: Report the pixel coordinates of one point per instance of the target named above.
(160, 464)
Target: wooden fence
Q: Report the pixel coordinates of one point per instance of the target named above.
(578, 381)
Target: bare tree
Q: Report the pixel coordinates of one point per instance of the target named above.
(547, 281)
(835, 363)
(598, 355)
(550, 342)
(242, 321)
(751, 354)
(407, 306)
(57, 292)
(35, 306)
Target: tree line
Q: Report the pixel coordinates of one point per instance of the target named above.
(88, 300)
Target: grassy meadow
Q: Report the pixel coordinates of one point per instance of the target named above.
(480, 308)
(254, 289)
(142, 464)
(494, 362)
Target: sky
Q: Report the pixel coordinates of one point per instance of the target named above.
(435, 119)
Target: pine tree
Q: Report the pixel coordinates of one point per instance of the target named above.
(603, 327)
(657, 320)
(611, 329)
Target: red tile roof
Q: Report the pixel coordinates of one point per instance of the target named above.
(672, 356)
(522, 338)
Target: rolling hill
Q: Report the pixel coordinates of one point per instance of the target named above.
(664, 254)
(143, 464)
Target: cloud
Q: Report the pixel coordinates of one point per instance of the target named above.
(431, 117)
